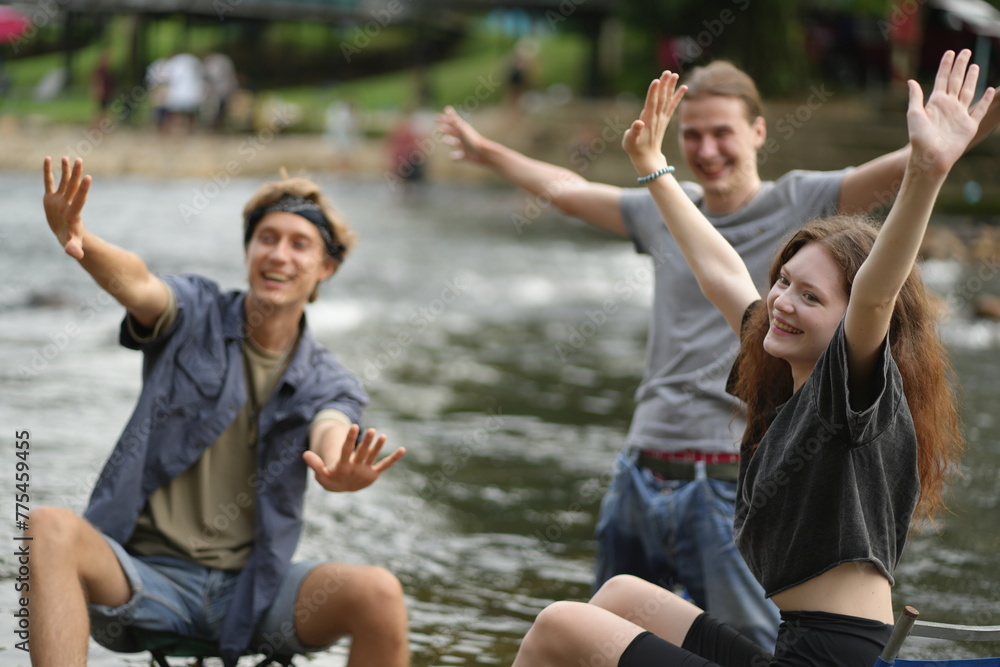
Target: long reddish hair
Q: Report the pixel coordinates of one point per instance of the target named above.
(765, 382)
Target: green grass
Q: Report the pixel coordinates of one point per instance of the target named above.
(475, 77)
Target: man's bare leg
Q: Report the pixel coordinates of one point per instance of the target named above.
(361, 601)
(71, 563)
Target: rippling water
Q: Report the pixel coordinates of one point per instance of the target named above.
(504, 359)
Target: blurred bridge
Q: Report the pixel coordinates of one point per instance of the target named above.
(589, 17)
(326, 10)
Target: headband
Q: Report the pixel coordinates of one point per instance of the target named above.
(303, 208)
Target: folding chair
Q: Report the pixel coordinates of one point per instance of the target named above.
(907, 624)
(163, 645)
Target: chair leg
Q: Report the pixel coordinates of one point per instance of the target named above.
(284, 661)
(159, 658)
(899, 633)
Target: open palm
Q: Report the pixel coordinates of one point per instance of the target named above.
(941, 129)
(643, 141)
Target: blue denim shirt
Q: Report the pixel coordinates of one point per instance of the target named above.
(193, 387)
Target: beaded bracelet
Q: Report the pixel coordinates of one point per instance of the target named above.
(655, 175)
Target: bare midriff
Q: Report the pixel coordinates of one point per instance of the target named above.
(852, 589)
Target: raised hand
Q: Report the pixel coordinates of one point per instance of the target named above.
(941, 129)
(356, 467)
(64, 204)
(643, 141)
(461, 136)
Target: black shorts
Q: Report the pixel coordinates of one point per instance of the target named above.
(805, 639)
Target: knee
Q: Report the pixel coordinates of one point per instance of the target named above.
(633, 598)
(383, 589)
(620, 589)
(366, 589)
(552, 625)
(53, 530)
(552, 620)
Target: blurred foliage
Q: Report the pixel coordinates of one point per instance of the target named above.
(764, 38)
(304, 64)
(446, 59)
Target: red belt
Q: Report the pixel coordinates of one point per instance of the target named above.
(689, 456)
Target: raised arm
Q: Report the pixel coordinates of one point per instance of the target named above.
(595, 203)
(719, 269)
(121, 273)
(939, 133)
(876, 182)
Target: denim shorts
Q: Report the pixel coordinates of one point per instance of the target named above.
(679, 533)
(179, 596)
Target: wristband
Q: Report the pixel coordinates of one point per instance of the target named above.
(655, 175)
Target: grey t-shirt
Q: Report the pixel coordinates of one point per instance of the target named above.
(830, 483)
(682, 401)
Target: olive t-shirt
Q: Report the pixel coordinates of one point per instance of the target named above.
(206, 514)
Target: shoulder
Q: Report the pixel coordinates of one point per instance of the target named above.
(189, 286)
(802, 181)
(831, 391)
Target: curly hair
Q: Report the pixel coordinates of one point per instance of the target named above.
(765, 382)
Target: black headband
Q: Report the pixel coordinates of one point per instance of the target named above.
(301, 207)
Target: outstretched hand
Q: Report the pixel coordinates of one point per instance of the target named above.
(461, 136)
(64, 204)
(941, 129)
(643, 141)
(356, 467)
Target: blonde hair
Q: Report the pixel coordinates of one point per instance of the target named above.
(270, 192)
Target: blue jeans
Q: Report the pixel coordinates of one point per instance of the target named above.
(680, 534)
(180, 596)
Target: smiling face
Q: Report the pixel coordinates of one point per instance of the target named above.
(804, 306)
(286, 259)
(720, 145)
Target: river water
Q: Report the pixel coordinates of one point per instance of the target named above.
(503, 355)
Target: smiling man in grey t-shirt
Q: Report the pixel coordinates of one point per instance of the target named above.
(668, 514)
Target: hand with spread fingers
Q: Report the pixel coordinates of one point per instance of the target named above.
(643, 141)
(941, 129)
(457, 133)
(354, 468)
(63, 204)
